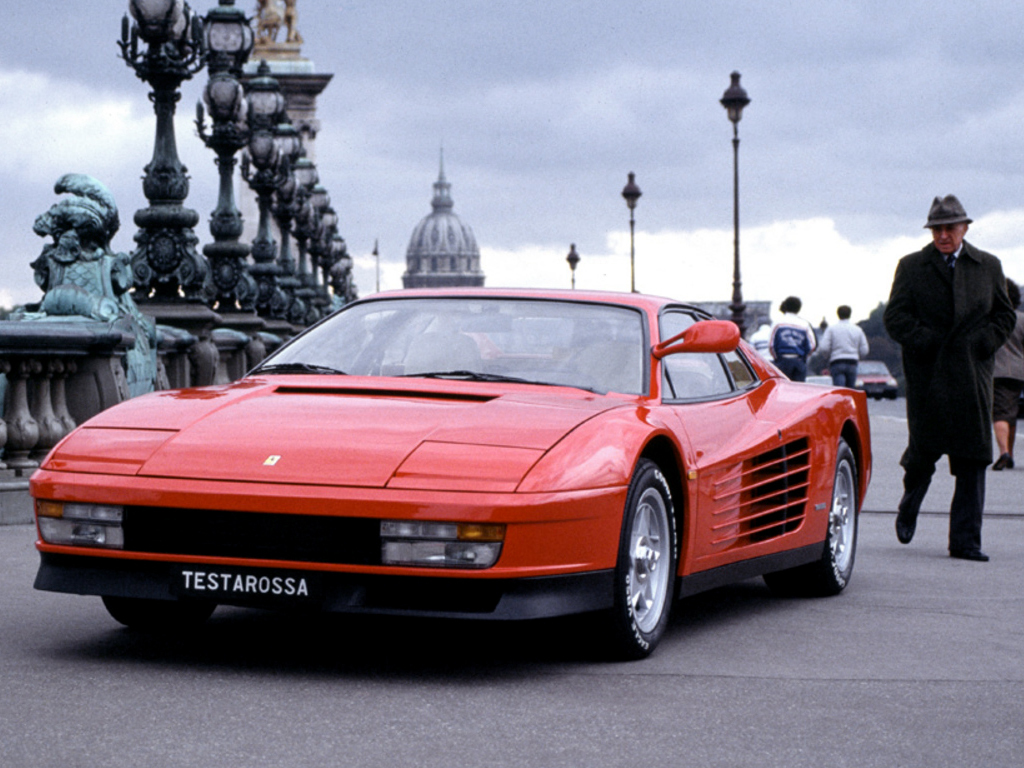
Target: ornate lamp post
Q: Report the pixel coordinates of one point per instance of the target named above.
(734, 100)
(262, 169)
(574, 259)
(291, 194)
(321, 218)
(166, 265)
(229, 42)
(341, 274)
(631, 192)
(304, 227)
(325, 257)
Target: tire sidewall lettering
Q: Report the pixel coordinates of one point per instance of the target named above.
(649, 477)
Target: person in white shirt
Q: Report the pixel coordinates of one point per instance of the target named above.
(845, 345)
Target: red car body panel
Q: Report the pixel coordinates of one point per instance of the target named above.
(553, 464)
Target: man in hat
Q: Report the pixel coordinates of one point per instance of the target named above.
(950, 312)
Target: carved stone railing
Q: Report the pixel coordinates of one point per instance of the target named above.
(58, 374)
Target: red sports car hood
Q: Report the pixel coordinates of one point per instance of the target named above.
(409, 435)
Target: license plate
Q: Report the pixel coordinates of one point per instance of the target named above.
(213, 583)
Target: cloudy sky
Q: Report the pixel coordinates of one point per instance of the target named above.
(861, 113)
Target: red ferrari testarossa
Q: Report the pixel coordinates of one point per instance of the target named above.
(480, 453)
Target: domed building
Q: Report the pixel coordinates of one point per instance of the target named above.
(442, 250)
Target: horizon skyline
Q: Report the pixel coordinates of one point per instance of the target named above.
(542, 112)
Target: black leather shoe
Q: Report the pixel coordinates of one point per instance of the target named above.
(906, 512)
(969, 554)
(905, 527)
(1005, 461)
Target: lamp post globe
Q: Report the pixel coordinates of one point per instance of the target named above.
(574, 259)
(734, 100)
(158, 20)
(229, 37)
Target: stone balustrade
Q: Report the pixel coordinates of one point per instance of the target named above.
(57, 374)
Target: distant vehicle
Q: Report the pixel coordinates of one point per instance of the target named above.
(822, 380)
(874, 378)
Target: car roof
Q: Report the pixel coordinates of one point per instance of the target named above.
(644, 301)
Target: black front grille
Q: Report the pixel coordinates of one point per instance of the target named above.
(251, 535)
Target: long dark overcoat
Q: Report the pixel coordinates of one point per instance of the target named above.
(949, 324)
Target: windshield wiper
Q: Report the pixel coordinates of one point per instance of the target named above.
(299, 368)
(464, 375)
(468, 376)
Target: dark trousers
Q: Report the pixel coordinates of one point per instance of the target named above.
(795, 368)
(968, 497)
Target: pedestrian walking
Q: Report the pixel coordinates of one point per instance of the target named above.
(1008, 381)
(760, 338)
(844, 345)
(950, 312)
(792, 340)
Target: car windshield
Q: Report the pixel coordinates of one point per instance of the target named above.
(872, 368)
(599, 347)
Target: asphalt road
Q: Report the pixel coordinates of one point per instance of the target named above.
(1004, 491)
(920, 662)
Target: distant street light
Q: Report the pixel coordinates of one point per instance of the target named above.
(573, 258)
(632, 193)
(376, 257)
(734, 100)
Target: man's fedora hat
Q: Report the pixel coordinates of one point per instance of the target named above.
(946, 210)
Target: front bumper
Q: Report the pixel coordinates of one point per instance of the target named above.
(332, 592)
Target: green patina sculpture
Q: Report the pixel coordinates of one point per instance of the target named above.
(82, 277)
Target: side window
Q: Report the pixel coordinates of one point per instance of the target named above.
(690, 375)
(742, 376)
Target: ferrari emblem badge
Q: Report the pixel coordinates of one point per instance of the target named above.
(271, 461)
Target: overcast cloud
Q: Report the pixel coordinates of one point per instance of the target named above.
(861, 112)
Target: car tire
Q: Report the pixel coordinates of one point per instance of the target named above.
(646, 568)
(830, 574)
(158, 615)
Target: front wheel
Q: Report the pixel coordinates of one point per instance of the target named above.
(830, 574)
(645, 571)
(158, 615)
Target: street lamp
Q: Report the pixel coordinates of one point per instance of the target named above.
(376, 258)
(734, 100)
(632, 193)
(229, 41)
(166, 265)
(308, 195)
(574, 259)
(262, 169)
(341, 273)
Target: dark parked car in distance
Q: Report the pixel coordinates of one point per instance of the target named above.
(874, 378)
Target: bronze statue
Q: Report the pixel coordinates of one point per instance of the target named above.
(82, 277)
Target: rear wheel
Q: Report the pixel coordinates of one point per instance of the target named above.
(158, 615)
(645, 572)
(830, 574)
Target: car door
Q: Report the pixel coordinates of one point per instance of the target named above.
(745, 480)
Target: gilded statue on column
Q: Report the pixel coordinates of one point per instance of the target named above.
(273, 16)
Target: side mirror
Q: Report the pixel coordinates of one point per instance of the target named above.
(704, 336)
